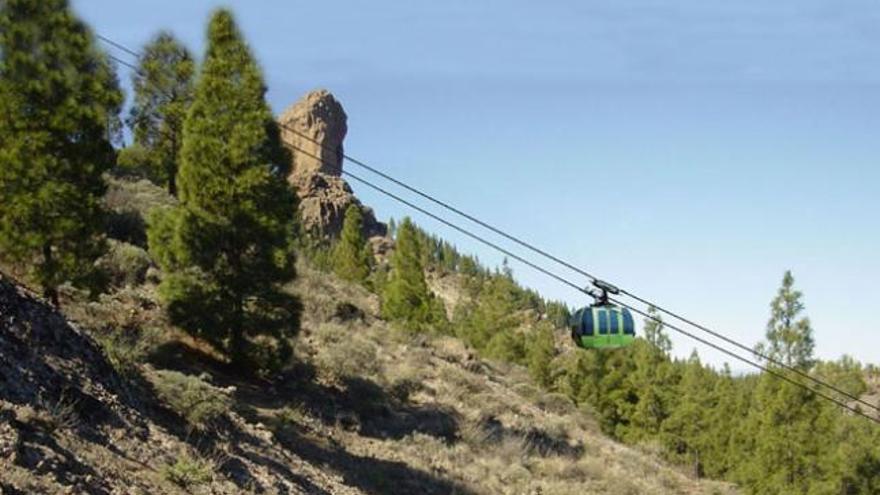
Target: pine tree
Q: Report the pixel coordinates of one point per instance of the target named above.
(60, 100)
(652, 381)
(684, 432)
(846, 374)
(163, 91)
(227, 249)
(352, 257)
(654, 333)
(507, 345)
(493, 313)
(392, 228)
(791, 428)
(540, 351)
(857, 456)
(789, 336)
(790, 456)
(615, 399)
(557, 314)
(406, 296)
(722, 421)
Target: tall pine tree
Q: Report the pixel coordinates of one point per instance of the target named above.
(163, 91)
(406, 296)
(789, 335)
(654, 332)
(493, 315)
(789, 455)
(351, 256)
(60, 100)
(227, 249)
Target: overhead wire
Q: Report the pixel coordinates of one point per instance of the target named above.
(593, 278)
(561, 262)
(766, 369)
(654, 318)
(118, 46)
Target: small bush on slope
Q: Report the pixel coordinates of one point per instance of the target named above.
(124, 264)
(188, 471)
(192, 397)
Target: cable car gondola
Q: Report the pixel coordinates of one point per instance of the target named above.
(603, 325)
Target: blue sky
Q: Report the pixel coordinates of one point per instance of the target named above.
(690, 151)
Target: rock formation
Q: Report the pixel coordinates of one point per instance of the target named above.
(315, 126)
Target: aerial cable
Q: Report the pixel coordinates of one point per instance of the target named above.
(451, 225)
(449, 207)
(654, 318)
(590, 276)
(734, 355)
(119, 46)
(778, 374)
(562, 263)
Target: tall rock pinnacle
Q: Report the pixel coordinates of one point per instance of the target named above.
(315, 126)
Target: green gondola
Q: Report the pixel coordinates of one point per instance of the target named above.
(603, 325)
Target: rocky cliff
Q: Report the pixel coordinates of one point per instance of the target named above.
(315, 127)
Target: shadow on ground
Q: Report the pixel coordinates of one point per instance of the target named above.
(355, 404)
(532, 440)
(373, 476)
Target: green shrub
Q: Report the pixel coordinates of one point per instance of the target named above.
(124, 264)
(508, 345)
(134, 162)
(58, 414)
(129, 201)
(188, 471)
(192, 397)
(266, 356)
(344, 354)
(126, 348)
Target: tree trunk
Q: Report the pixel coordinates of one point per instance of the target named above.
(172, 170)
(236, 341)
(50, 292)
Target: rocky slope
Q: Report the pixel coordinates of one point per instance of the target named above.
(366, 409)
(69, 423)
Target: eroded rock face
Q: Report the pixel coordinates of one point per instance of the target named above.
(315, 126)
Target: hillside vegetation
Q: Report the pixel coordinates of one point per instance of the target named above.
(365, 409)
(194, 334)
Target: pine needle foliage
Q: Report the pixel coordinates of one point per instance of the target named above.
(352, 257)
(789, 334)
(60, 101)
(228, 248)
(406, 297)
(163, 90)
